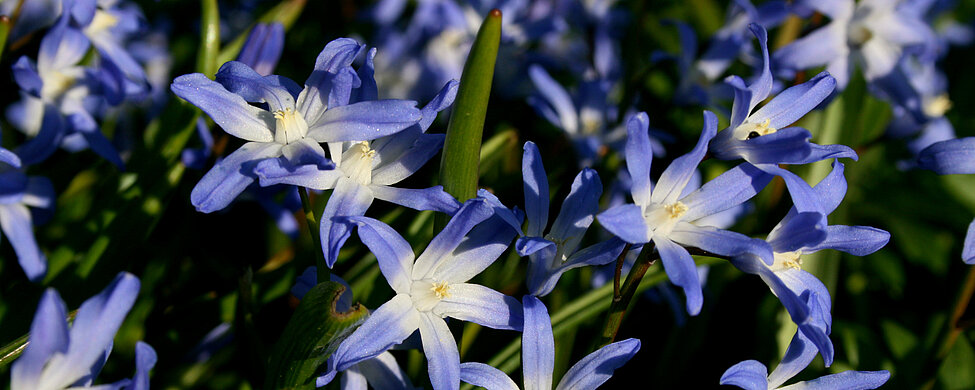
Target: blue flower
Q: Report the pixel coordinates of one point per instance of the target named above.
(554, 253)
(870, 34)
(732, 39)
(430, 288)
(295, 123)
(538, 359)
(762, 136)
(804, 230)
(19, 194)
(753, 375)
(665, 215)
(365, 171)
(57, 357)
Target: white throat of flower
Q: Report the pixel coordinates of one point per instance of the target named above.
(937, 106)
(663, 217)
(592, 121)
(858, 34)
(289, 126)
(102, 22)
(427, 293)
(787, 260)
(357, 162)
(749, 130)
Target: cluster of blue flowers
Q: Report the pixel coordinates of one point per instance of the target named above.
(335, 133)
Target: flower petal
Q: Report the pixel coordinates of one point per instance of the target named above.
(237, 77)
(228, 110)
(483, 375)
(481, 305)
(855, 240)
(384, 373)
(348, 199)
(537, 346)
(795, 102)
(730, 189)
(263, 47)
(48, 336)
(639, 154)
(394, 254)
(364, 121)
(484, 244)
(279, 170)
(597, 367)
(407, 163)
(473, 212)
(578, 210)
(626, 222)
(433, 198)
(953, 156)
(536, 190)
(15, 219)
(386, 326)
(229, 177)
(721, 242)
(849, 380)
(968, 250)
(679, 172)
(748, 375)
(145, 359)
(556, 98)
(440, 349)
(682, 271)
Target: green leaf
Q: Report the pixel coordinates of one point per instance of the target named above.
(958, 369)
(461, 153)
(310, 336)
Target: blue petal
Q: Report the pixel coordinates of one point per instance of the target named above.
(730, 189)
(368, 90)
(855, 240)
(832, 189)
(682, 271)
(440, 102)
(263, 47)
(675, 177)
(784, 146)
(797, 357)
(145, 359)
(53, 129)
(537, 346)
(48, 336)
(748, 375)
(473, 212)
(394, 254)
(15, 220)
(480, 305)
(61, 47)
(721, 242)
(484, 244)
(968, 251)
(626, 222)
(336, 58)
(953, 156)
(823, 152)
(740, 106)
(849, 380)
(815, 49)
(528, 245)
(229, 177)
(536, 190)
(597, 367)
(97, 321)
(348, 199)
(578, 210)
(279, 170)
(638, 157)
(556, 98)
(240, 79)
(382, 372)
(227, 109)
(364, 121)
(790, 105)
(433, 198)
(407, 163)
(81, 122)
(483, 375)
(25, 74)
(761, 87)
(386, 326)
(440, 349)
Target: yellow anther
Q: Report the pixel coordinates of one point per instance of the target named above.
(938, 106)
(441, 289)
(675, 210)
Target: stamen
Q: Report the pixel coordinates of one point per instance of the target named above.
(441, 289)
(675, 210)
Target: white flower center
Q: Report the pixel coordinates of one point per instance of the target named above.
(662, 218)
(289, 126)
(937, 106)
(787, 260)
(749, 130)
(357, 162)
(858, 34)
(56, 83)
(428, 293)
(591, 121)
(103, 21)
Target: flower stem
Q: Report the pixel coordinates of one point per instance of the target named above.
(320, 266)
(621, 300)
(619, 271)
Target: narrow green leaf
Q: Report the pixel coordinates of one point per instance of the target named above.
(206, 60)
(309, 338)
(461, 153)
(5, 25)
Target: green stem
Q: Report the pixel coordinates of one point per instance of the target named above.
(952, 330)
(617, 310)
(619, 271)
(206, 60)
(320, 265)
